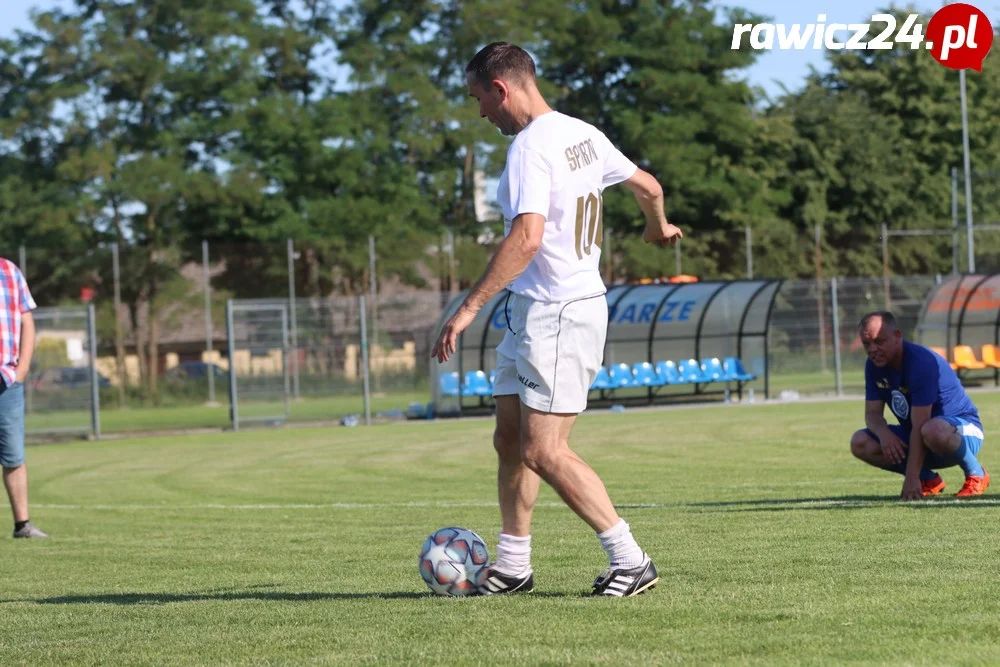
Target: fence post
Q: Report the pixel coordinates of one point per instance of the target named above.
(291, 308)
(819, 300)
(234, 411)
(749, 254)
(970, 239)
(22, 258)
(835, 316)
(373, 288)
(954, 221)
(119, 342)
(364, 361)
(885, 266)
(210, 366)
(284, 364)
(95, 394)
(677, 258)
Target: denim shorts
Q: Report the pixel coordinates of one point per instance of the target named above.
(11, 425)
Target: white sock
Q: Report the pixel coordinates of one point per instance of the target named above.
(513, 555)
(621, 547)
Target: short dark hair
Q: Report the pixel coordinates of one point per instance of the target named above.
(501, 60)
(888, 320)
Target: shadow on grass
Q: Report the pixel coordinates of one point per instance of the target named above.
(844, 503)
(130, 599)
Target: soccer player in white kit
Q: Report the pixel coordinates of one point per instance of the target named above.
(549, 261)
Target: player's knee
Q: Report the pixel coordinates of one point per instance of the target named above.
(937, 432)
(860, 443)
(538, 459)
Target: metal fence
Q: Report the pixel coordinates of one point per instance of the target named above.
(258, 353)
(815, 349)
(348, 359)
(62, 390)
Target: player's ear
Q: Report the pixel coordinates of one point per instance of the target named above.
(502, 88)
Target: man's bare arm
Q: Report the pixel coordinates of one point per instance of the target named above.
(649, 195)
(26, 348)
(511, 259)
(919, 415)
(875, 417)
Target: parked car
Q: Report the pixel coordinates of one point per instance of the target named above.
(195, 370)
(65, 377)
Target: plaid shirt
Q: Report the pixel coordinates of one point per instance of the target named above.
(15, 299)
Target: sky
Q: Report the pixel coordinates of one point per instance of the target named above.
(772, 69)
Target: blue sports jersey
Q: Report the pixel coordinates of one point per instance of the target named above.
(924, 378)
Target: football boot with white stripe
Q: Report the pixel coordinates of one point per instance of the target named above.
(626, 583)
(498, 583)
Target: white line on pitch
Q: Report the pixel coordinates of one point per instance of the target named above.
(748, 504)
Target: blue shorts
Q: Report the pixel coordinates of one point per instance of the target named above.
(972, 437)
(11, 425)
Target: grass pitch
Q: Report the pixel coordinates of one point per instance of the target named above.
(299, 546)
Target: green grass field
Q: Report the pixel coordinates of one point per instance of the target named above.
(332, 408)
(299, 546)
(131, 420)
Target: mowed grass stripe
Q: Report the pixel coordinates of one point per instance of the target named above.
(299, 546)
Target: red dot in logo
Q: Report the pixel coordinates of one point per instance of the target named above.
(961, 36)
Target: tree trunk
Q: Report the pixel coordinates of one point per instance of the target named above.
(119, 335)
(154, 329)
(140, 349)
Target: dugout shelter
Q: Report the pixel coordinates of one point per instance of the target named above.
(665, 342)
(960, 320)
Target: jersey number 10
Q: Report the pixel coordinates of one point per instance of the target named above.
(589, 224)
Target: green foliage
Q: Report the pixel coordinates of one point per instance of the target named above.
(49, 353)
(156, 125)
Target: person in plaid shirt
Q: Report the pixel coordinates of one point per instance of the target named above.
(17, 344)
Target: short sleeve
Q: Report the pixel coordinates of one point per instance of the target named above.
(24, 294)
(872, 392)
(530, 183)
(925, 378)
(617, 167)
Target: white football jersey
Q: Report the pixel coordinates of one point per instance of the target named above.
(558, 166)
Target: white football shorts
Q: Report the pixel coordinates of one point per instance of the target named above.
(551, 352)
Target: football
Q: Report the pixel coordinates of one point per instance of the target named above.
(452, 560)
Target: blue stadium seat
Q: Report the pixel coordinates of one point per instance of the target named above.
(476, 384)
(602, 381)
(734, 370)
(621, 376)
(644, 375)
(449, 384)
(667, 372)
(712, 369)
(690, 372)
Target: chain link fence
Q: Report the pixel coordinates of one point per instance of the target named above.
(815, 349)
(62, 389)
(341, 359)
(162, 353)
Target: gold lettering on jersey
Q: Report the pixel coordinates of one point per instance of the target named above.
(581, 155)
(589, 223)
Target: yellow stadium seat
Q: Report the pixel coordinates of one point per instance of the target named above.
(991, 355)
(965, 359)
